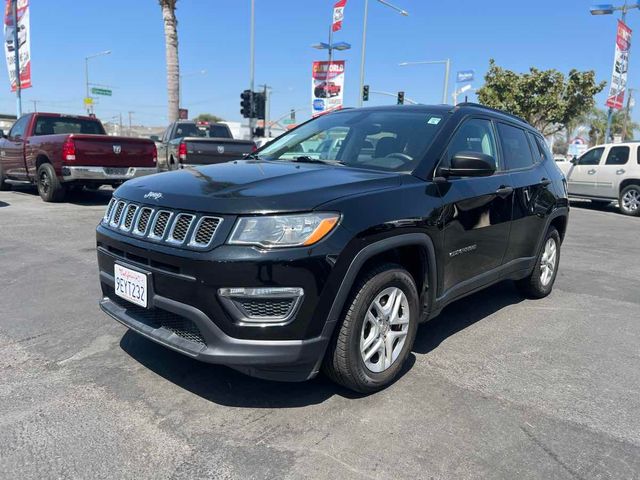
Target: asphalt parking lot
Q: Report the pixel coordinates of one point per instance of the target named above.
(497, 386)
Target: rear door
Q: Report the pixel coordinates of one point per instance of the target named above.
(12, 151)
(581, 177)
(533, 195)
(612, 169)
(477, 211)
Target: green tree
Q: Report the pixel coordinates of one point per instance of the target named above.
(545, 98)
(208, 117)
(171, 53)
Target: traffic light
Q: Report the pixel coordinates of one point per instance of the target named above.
(400, 98)
(245, 104)
(259, 103)
(365, 93)
(293, 115)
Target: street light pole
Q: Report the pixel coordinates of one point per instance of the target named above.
(447, 69)
(364, 39)
(86, 74)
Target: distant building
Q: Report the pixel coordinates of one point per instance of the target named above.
(7, 121)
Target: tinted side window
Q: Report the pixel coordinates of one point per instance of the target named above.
(592, 157)
(618, 156)
(515, 147)
(543, 148)
(475, 135)
(19, 127)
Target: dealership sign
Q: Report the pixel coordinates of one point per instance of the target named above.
(464, 76)
(327, 87)
(23, 45)
(615, 99)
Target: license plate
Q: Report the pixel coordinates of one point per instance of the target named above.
(130, 285)
(115, 171)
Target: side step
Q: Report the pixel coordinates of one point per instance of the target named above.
(17, 182)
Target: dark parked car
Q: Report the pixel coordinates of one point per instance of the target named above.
(282, 265)
(187, 143)
(56, 152)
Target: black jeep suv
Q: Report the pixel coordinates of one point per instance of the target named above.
(326, 248)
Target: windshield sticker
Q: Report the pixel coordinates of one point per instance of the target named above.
(434, 120)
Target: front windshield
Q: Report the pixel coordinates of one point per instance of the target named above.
(374, 139)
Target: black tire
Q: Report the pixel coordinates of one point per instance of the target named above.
(343, 362)
(533, 286)
(630, 208)
(4, 186)
(600, 203)
(49, 187)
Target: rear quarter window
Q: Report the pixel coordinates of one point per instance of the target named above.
(617, 156)
(515, 147)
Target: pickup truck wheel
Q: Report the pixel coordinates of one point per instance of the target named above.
(630, 200)
(377, 331)
(49, 187)
(4, 186)
(540, 282)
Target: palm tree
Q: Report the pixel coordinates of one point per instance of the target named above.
(171, 47)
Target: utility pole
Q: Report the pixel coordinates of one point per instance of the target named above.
(130, 134)
(14, 9)
(35, 105)
(120, 124)
(252, 66)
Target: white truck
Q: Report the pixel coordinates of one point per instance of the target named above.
(605, 173)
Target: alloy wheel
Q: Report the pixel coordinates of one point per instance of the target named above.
(631, 200)
(45, 183)
(384, 330)
(548, 261)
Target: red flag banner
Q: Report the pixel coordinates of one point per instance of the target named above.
(615, 99)
(338, 14)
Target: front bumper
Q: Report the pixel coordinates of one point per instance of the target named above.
(106, 174)
(187, 330)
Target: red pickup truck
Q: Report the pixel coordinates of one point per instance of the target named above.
(56, 152)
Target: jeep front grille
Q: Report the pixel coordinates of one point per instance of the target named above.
(175, 228)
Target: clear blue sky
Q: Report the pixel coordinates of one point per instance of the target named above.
(214, 35)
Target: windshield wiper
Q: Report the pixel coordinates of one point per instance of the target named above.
(307, 159)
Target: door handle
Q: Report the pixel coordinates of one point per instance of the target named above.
(545, 182)
(592, 171)
(504, 191)
(620, 171)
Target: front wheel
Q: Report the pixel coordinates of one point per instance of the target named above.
(49, 187)
(630, 200)
(540, 282)
(377, 331)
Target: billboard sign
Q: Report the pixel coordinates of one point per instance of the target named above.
(618, 85)
(23, 46)
(327, 87)
(464, 76)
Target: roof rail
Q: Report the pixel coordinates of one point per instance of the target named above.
(479, 105)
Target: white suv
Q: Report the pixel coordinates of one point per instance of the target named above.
(605, 173)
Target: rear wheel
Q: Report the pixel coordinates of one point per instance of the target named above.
(49, 187)
(377, 331)
(4, 186)
(540, 282)
(630, 200)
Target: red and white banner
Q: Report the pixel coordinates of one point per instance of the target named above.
(338, 14)
(23, 46)
(327, 87)
(615, 99)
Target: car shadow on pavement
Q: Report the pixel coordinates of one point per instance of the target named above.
(4, 204)
(89, 198)
(225, 386)
(464, 313)
(588, 205)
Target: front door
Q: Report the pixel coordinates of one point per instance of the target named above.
(477, 211)
(12, 151)
(582, 177)
(612, 171)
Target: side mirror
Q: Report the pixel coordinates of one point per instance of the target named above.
(574, 160)
(2, 135)
(470, 164)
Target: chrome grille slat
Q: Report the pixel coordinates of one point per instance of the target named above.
(142, 221)
(117, 214)
(205, 231)
(180, 228)
(160, 223)
(107, 214)
(129, 215)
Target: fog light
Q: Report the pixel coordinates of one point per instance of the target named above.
(262, 305)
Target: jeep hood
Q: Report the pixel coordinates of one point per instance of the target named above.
(254, 186)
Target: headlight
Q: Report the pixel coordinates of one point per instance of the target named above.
(283, 230)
